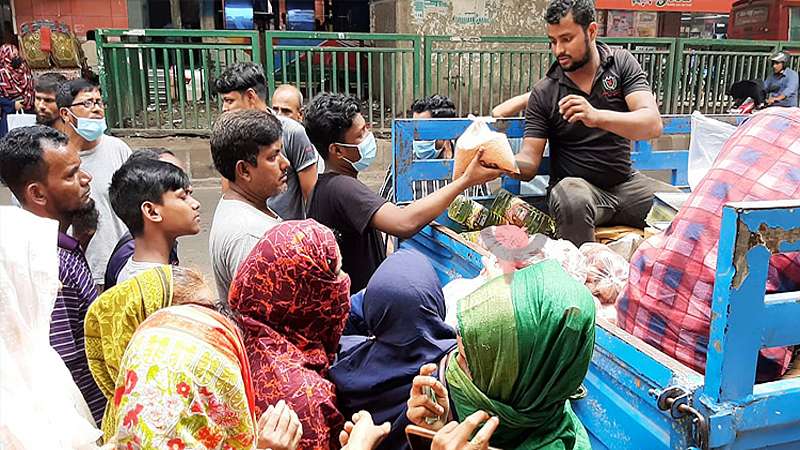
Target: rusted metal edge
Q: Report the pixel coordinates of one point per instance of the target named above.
(768, 237)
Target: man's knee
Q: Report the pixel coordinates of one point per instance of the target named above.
(570, 195)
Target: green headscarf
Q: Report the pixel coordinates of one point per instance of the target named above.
(528, 339)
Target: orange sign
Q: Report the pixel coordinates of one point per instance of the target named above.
(715, 6)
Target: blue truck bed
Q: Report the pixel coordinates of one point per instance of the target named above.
(639, 398)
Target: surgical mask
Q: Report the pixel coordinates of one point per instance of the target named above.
(89, 129)
(368, 149)
(425, 150)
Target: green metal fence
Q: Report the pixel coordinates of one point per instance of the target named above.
(161, 79)
(707, 68)
(382, 70)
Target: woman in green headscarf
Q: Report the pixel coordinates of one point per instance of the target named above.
(525, 342)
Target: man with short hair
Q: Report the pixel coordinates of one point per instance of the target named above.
(355, 213)
(82, 119)
(45, 174)
(287, 101)
(592, 103)
(46, 88)
(244, 86)
(781, 86)
(126, 246)
(246, 149)
(432, 107)
(154, 199)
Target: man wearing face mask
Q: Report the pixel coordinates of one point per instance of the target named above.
(592, 103)
(432, 107)
(355, 213)
(82, 118)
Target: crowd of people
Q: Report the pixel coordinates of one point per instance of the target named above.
(310, 336)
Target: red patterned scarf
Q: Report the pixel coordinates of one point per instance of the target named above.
(294, 301)
(17, 82)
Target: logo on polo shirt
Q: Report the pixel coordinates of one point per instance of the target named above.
(610, 83)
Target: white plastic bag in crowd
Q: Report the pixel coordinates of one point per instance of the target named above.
(20, 120)
(708, 136)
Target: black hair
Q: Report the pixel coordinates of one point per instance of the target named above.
(141, 180)
(583, 12)
(22, 155)
(71, 89)
(328, 117)
(49, 83)
(240, 77)
(150, 153)
(238, 136)
(440, 106)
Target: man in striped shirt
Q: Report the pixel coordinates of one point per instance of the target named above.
(46, 176)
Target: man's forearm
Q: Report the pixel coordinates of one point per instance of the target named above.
(423, 211)
(528, 168)
(636, 125)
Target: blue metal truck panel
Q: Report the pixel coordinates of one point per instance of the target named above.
(639, 398)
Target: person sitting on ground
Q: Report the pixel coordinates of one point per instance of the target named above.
(592, 103)
(431, 107)
(46, 87)
(125, 247)
(82, 119)
(667, 301)
(154, 199)
(346, 205)
(292, 297)
(404, 311)
(515, 375)
(46, 175)
(246, 148)
(244, 86)
(781, 86)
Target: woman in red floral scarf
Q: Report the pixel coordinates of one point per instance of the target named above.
(294, 299)
(16, 84)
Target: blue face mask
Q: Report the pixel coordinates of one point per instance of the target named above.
(89, 129)
(368, 149)
(425, 150)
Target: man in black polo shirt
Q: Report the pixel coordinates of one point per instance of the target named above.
(593, 102)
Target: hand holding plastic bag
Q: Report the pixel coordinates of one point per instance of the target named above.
(497, 150)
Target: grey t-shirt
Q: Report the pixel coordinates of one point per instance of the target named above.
(236, 229)
(301, 154)
(101, 162)
(133, 268)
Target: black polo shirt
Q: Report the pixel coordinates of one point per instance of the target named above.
(598, 156)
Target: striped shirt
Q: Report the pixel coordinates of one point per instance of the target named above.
(66, 327)
(422, 188)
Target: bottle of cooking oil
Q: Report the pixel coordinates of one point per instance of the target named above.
(472, 215)
(518, 212)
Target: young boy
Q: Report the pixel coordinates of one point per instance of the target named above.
(126, 245)
(154, 200)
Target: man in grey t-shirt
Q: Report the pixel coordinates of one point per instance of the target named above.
(244, 86)
(242, 215)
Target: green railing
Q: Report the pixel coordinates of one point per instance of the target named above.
(382, 70)
(162, 79)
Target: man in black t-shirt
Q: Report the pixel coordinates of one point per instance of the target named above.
(355, 213)
(593, 102)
